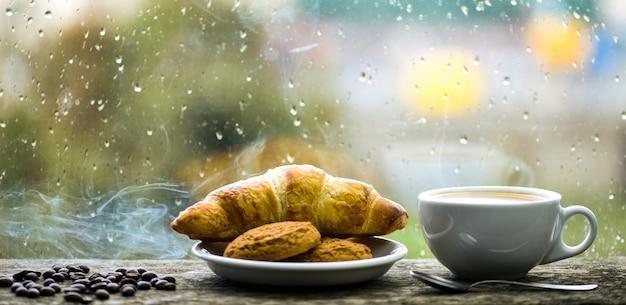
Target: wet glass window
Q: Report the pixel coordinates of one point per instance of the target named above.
(115, 116)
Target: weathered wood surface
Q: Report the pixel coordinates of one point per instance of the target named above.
(196, 284)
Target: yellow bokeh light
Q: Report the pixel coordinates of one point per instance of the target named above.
(443, 83)
(558, 41)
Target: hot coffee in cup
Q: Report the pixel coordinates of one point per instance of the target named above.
(498, 232)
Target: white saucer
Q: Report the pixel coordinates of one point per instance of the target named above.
(386, 252)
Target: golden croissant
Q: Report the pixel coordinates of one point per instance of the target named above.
(336, 206)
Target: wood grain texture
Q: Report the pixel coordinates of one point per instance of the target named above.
(196, 284)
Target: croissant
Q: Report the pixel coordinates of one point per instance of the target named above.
(336, 206)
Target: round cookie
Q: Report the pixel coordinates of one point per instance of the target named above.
(335, 250)
(274, 241)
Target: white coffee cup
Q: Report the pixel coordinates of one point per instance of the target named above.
(498, 232)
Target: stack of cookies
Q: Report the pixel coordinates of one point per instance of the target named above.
(297, 241)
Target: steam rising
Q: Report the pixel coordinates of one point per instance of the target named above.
(131, 223)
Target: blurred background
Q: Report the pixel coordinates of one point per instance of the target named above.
(115, 116)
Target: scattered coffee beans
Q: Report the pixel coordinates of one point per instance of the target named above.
(82, 284)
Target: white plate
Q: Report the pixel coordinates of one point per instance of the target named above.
(385, 253)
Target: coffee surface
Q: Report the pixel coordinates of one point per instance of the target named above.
(487, 197)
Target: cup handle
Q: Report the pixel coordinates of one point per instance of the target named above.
(560, 250)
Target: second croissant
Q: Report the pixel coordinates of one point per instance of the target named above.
(336, 206)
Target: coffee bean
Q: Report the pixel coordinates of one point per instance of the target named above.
(56, 267)
(84, 268)
(32, 293)
(133, 274)
(121, 270)
(79, 287)
(168, 278)
(128, 281)
(48, 273)
(99, 285)
(47, 291)
(21, 291)
(147, 276)
(160, 284)
(5, 281)
(102, 294)
(77, 275)
(127, 291)
(73, 297)
(56, 287)
(16, 285)
(58, 277)
(113, 287)
(143, 285)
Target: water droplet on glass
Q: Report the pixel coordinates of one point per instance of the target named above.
(297, 122)
(476, 60)
(137, 87)
(506, 81)
(596, 138)
(611, 196)
(617, 78)
(243, 33)
(219, 135)
(463, 140)
(149, 131)
(464, 9)
(293, 110)
(9, 11)
(290, 158)
(624, 115)
(480, 6)
(525, 116)
(48, 14)
(409, 8)
(178, 202)
(290, 84)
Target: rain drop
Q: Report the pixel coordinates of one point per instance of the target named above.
(476, 60)
(463, 139)
(464, 9)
